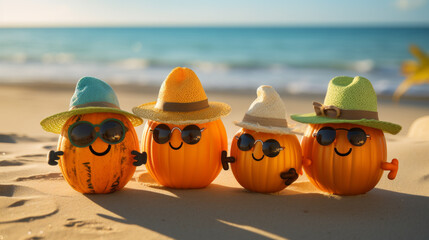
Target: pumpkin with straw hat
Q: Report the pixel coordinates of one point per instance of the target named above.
(182, 100)
(267, 113)
(91, 96)
(348, 100)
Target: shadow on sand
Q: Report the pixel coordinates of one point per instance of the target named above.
(219, 212)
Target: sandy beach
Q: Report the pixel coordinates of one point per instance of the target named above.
(37, 203)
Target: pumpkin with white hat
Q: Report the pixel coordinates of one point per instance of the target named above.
(98, 146)
(185, 138)
(267, 153)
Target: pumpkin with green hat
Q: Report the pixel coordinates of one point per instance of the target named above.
(348, 100)
(267, 154)
(98, 148)
(344, 148)
(185, 138)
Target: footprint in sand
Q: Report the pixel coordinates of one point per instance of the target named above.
(24, 204)
(425, 177)
(35, 238)
(7, 163)
(48, 176)
(50, 147)
(4, 138)
(14, 138)
(33, 155)
(88, 225)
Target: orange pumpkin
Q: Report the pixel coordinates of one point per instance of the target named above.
(177, 164)
(359, 168)
(89, 173)
(263, 175)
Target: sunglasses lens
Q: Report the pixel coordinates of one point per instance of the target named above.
(112, 131)
(191, 134)
(271, 148)
(161, 134)
(245, 142)
(82, 134)
(326, 136)
(356, 136)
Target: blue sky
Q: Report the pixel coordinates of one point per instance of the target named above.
(218, 12)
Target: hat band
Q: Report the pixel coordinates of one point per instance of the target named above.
(273, 122)
(335, 112)
(95, 104)
(184, 107)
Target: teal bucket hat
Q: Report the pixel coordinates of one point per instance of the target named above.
(91, 95)
(348, 100)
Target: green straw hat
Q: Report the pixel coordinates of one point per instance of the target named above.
(91, 95)
(348, 100)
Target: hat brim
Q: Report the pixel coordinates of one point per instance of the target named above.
(56, 122)
(266, 129)
(312, 118)
(215, 111)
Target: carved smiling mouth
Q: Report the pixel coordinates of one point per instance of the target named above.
(177, 147)
(342, 154)
(257, 159)
(102, 153)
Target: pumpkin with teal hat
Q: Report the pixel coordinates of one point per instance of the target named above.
(344, 148)
(98, 148)
(91, 95)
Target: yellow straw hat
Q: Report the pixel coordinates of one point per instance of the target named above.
(267, 113)
(182, 100)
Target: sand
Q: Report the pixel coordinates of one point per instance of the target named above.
(37, 203)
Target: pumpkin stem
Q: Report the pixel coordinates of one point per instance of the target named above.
(53, 156)
(225, 160)
(290, 176)
(392, 167)
(140, 157)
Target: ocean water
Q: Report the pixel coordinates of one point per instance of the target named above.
(292, 59)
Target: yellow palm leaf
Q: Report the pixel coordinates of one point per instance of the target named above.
(409, 67)
(416, 72)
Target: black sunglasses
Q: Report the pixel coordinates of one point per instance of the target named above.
(83, 133)
(270, 148)
(326, 135)
(191, 134)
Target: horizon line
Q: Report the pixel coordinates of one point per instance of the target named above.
(264, 25)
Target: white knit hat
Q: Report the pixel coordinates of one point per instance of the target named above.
(267, 113)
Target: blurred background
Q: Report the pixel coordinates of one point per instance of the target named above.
(295, 46)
